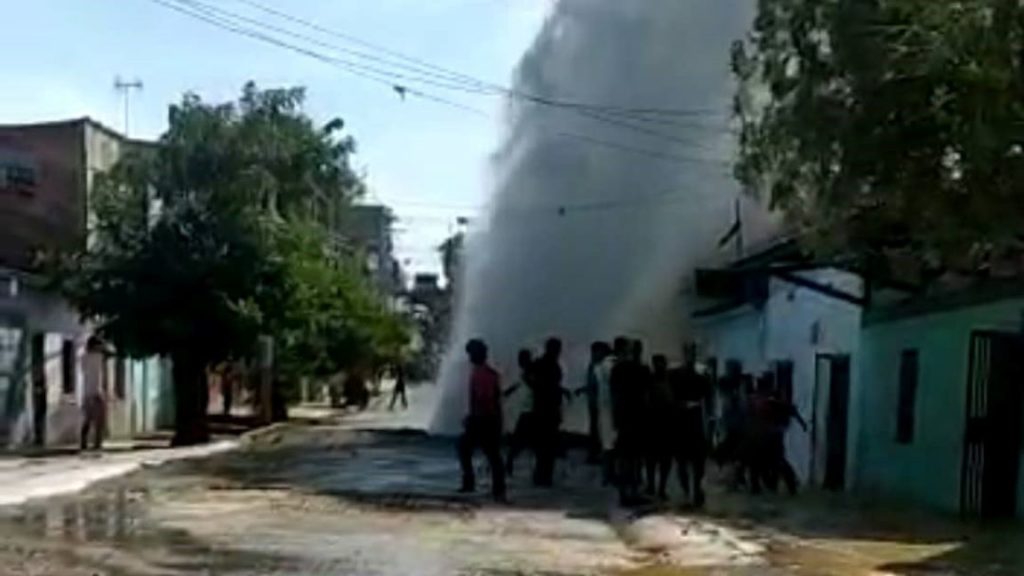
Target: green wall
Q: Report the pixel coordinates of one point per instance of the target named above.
(928, 469)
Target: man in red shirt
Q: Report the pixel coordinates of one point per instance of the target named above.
(482, 427)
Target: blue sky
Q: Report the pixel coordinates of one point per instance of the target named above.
(427, 160)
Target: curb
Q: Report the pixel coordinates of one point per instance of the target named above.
(69, 480)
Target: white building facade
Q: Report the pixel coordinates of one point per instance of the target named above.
(769, 313)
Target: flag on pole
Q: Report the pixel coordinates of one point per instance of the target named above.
(735, 231)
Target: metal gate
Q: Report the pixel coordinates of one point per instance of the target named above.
(992, 431)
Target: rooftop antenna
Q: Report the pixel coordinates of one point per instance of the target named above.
(125, 87)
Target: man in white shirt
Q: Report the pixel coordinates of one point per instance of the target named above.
(94, 403)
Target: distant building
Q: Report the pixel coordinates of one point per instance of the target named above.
(368, 229)
(47, 173)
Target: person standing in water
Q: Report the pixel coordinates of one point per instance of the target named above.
(482, 426)
(591, 389)
(660, 441)
(547, 411)
(523, 435)
(627, 402)
(602, 372)
(691, 391)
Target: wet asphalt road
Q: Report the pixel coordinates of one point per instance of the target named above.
(344, 499)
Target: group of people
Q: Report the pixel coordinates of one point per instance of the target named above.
(643, 418)
(756, 415)
(646, 417)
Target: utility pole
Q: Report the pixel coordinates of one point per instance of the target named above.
(125, 87)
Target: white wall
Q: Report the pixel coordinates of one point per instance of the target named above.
(794, 324)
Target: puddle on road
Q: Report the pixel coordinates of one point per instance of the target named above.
(269, 511)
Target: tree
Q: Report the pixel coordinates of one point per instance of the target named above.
(184, 260)
(329, 318)
(889, 128)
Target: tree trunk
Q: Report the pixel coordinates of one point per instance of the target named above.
(190, 400)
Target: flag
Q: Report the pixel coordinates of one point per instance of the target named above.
(733, 232)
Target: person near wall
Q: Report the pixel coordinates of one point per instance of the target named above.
(778, 413)
(729, 450)
(482, 427)
(94, 401)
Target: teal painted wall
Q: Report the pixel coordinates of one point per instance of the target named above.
(928, 469)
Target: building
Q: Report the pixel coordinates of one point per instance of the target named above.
(940, 400)
(47, 172)
(777, 312)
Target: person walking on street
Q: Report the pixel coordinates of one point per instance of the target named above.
(547, 411)
(482, 426)
(692, 392)
(94, 401)
(399, 391)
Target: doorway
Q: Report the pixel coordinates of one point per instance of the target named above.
(830, 420)
(990, 467)
(38, 363)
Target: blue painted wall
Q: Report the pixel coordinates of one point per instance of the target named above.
(928, 469)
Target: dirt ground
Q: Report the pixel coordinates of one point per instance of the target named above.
(339, 499)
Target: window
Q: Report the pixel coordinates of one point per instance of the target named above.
(18, 178)
(907, 405)
(67, 364)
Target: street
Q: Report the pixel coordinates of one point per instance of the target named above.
(369, 495)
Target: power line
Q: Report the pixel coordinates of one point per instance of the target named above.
(356, 70)
(470, 80)
(380, 78)
(439, 77)
(427, 77)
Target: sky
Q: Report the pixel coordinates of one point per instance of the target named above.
(427, 160)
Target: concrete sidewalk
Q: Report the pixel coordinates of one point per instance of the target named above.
(29, 478)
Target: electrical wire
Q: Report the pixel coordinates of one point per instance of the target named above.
(471, 81)
(229, 20)
(355, 70)
(224, 24)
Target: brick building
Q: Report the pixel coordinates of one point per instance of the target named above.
(47, 173)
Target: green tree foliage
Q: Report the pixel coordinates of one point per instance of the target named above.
(889, 128)
(329, 318)
(223, 231)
